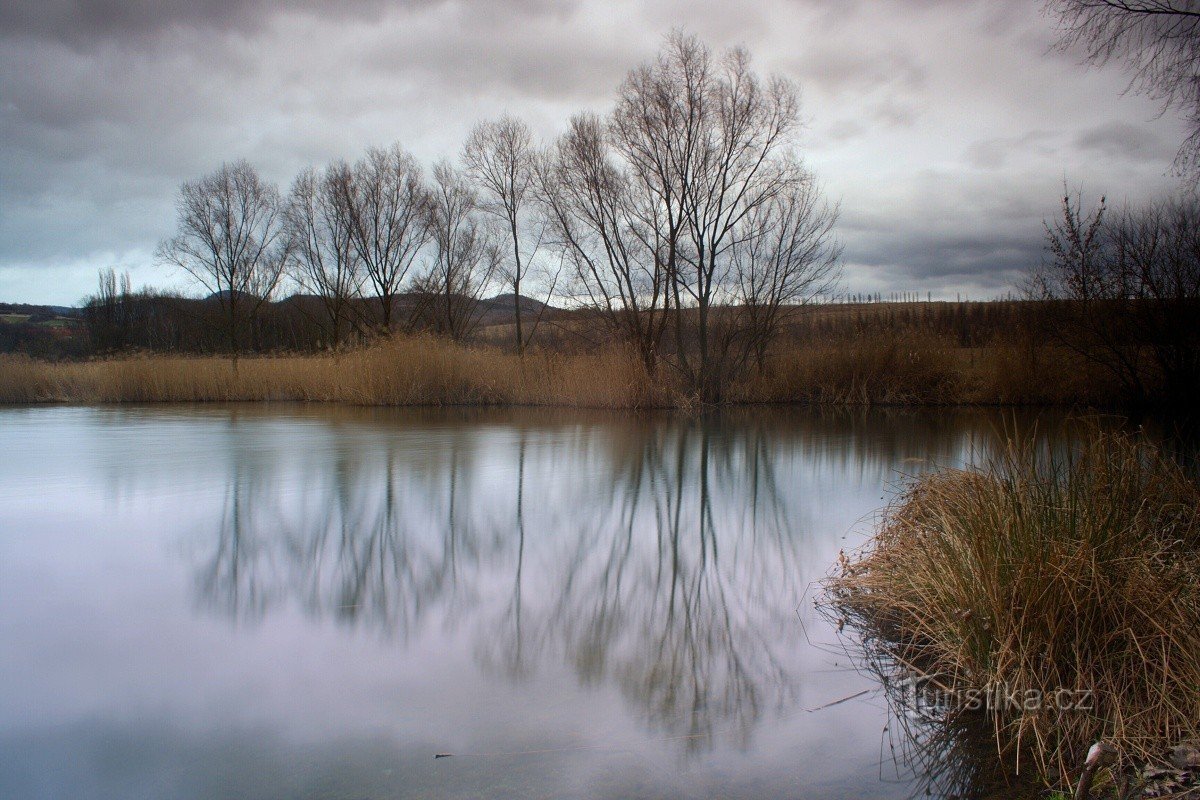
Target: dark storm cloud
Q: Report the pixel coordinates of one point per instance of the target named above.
(995, 153)
(976, 235)
(946, 128)
(1125, 140)
(916, 261)
(87, 22)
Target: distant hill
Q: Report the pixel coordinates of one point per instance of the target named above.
(502, 309)
(24, 309)
(219, 297)
(508, 302)
(497, 310)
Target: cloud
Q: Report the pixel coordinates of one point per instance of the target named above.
(840, 71)
(85, 24)
(944, 127)
(995, 153)
(1126, 140)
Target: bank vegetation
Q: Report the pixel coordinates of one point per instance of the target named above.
(1044, 573)
(860, 355)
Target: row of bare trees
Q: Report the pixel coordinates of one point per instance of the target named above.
(684, 220)
(342, 232)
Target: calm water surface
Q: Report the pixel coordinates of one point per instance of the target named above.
(283, 602)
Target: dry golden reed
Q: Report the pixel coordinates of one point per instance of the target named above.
(1042, 571)
(399, 371)
(912, 368)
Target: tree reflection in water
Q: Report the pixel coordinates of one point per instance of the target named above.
(659, 558)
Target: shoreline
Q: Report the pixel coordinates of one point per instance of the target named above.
(428, 371)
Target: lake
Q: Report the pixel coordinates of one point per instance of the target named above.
(313, 602)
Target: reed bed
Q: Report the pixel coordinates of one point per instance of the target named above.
(399, 371)
(1043, 571)
(920, 368)
(906, 369)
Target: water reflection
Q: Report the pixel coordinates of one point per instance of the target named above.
(941, 750)
(661, 555)
(320, 589)
(665, 566)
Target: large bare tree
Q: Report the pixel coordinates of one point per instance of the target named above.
(500, 157)
(713, 143)
(388, 206)
(1158, 41)
(785, 255)
(465, 256)
(231, 240)
(324, 260)
(690, 209)
(608, 228)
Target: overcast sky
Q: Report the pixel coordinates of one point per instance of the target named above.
(944, 128)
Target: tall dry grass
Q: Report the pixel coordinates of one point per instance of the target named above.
(1043, 571)
(399, 371)
(924, 368)
(909, 368)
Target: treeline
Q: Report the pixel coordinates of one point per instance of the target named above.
(962, 324)
(1122, 291)
(681, 227)
(684, 222)
(154, 321)
(42, 334)
(118, 319)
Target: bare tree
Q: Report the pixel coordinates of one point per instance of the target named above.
(712, 143)
(1156, 250)
(388, 207)
(500, 159)
(324, 259)
(1158, 41)
(465, 255)
(690, 206)
(786, 256)
(1078, 273)
(107, 313)
(1078, 266)
(231, 240)
(608, 229)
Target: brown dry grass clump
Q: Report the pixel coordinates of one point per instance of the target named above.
(1042, 571)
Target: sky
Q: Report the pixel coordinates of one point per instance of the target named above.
(945, 128)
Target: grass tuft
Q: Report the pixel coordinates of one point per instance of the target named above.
(1041, 571)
